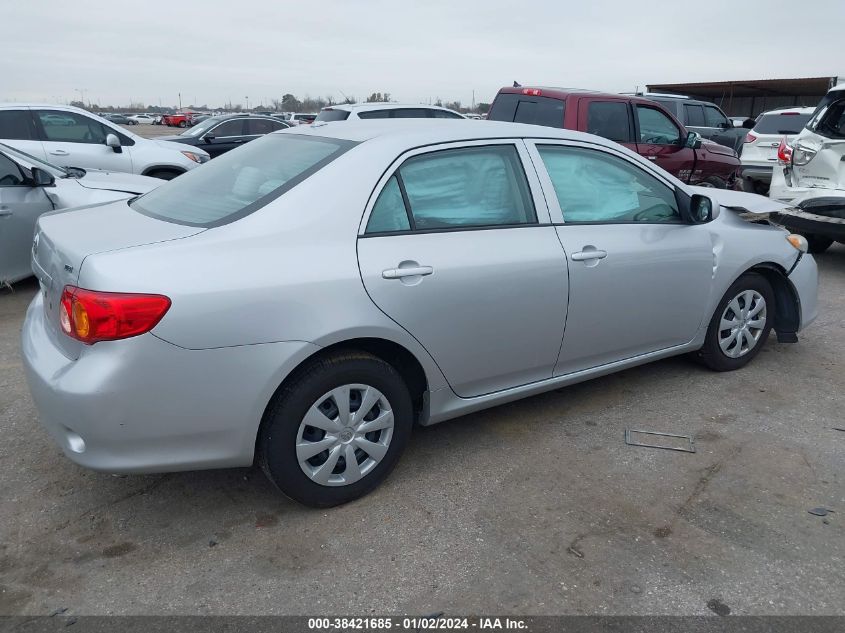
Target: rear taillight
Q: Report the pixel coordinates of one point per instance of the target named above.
(91, 316)
(750, 138)
(784, 152)
(534, 92)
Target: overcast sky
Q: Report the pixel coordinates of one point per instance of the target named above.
(214, 51)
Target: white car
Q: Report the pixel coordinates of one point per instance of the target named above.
(760, 148)
(30, 187)
(146, 119)
(71, 137)
(810, 175)
(351, 112)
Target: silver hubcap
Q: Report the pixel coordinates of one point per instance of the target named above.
(742, 323)
(344, 435)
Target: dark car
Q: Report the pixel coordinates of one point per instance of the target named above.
(704, 117)
(218, 134)
(118, 118)
(639, 124)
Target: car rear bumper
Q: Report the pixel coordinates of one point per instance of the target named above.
(144, 405)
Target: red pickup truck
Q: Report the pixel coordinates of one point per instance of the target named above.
(639, 124)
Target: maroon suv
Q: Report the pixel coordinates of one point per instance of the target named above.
(639, 124)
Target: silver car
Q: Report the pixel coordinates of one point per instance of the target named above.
(30, 186)
(304, 300)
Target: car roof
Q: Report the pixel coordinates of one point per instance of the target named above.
(796, 110)
(417, 132)
(562, 93)
(377, 105)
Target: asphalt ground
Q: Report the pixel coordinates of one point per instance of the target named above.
(535, 507)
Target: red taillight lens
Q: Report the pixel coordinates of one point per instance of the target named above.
(750, 138)
(534, 92)
(784, 153)
(91, 316)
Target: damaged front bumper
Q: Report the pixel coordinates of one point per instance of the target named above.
(822, 216)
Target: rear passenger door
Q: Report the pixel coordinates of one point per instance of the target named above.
(661, 139)
(612, 120)
(456, 247)
(17, 129)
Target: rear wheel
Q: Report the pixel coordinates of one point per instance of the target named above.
(183, 124)
(740, 325)
(335, 432)
(817, 243)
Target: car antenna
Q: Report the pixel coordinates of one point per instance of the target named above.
(516, 84)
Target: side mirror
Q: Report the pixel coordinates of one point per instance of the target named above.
(701, 209)
(41, 178)
(693, 140)
(749, 124)
(114, 142)
(208, 138)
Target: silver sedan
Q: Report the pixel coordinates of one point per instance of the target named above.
(305, 300)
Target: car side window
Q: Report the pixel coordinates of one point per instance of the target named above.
(263, 126)
(17, 125)
(374, 114)
(610, 120)
(10, 173)
(70, 127)
(458, 188)
(228, 128)
(714, 117)
(443, 114)
(657, 128)
(540, 111)
(389, 213)
(597, 187)
(409, 113)
(694, 115)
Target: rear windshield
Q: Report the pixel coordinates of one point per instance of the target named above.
(330, 114)
(781, 123)
(521, 108)
(238, 183)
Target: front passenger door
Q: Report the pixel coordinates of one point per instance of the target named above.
(77, 140)
(224, 137)
(458, 250)
(662, 141)
(639, 276)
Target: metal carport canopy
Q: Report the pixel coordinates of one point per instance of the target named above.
(807, 86)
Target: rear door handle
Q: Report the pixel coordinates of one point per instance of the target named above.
(59, 152)
(399, 273)
(651, 157)
(583, 256)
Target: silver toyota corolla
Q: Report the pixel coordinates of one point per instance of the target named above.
(306, 299)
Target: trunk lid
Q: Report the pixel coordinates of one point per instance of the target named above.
(63, 239)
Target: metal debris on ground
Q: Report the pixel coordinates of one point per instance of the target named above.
(686, 446)
(820, 512)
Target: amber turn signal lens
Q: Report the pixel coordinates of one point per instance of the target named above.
(798, 241)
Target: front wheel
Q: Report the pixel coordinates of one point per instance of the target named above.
(713, 182)
(183, 124)
(740, 325)
(335, 432)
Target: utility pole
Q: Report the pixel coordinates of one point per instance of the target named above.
(81, 92)
(180, 100)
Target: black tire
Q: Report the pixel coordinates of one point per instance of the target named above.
(711, 353)
(715, 182)
(818, 244)
(183, 124)
(163, 174)
(279, 429)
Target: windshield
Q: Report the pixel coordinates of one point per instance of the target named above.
(238, 183)
(782, 123)
(202, 127)
(53, 170)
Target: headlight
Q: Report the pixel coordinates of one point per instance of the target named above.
(803, 153)
(197, 158)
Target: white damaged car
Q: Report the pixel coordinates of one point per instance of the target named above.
(811, 175)
(30, 186)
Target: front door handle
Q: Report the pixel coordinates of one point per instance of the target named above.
(651, 157)
(59, 152)
(587, 255)
(399, 273)
(4, 212)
